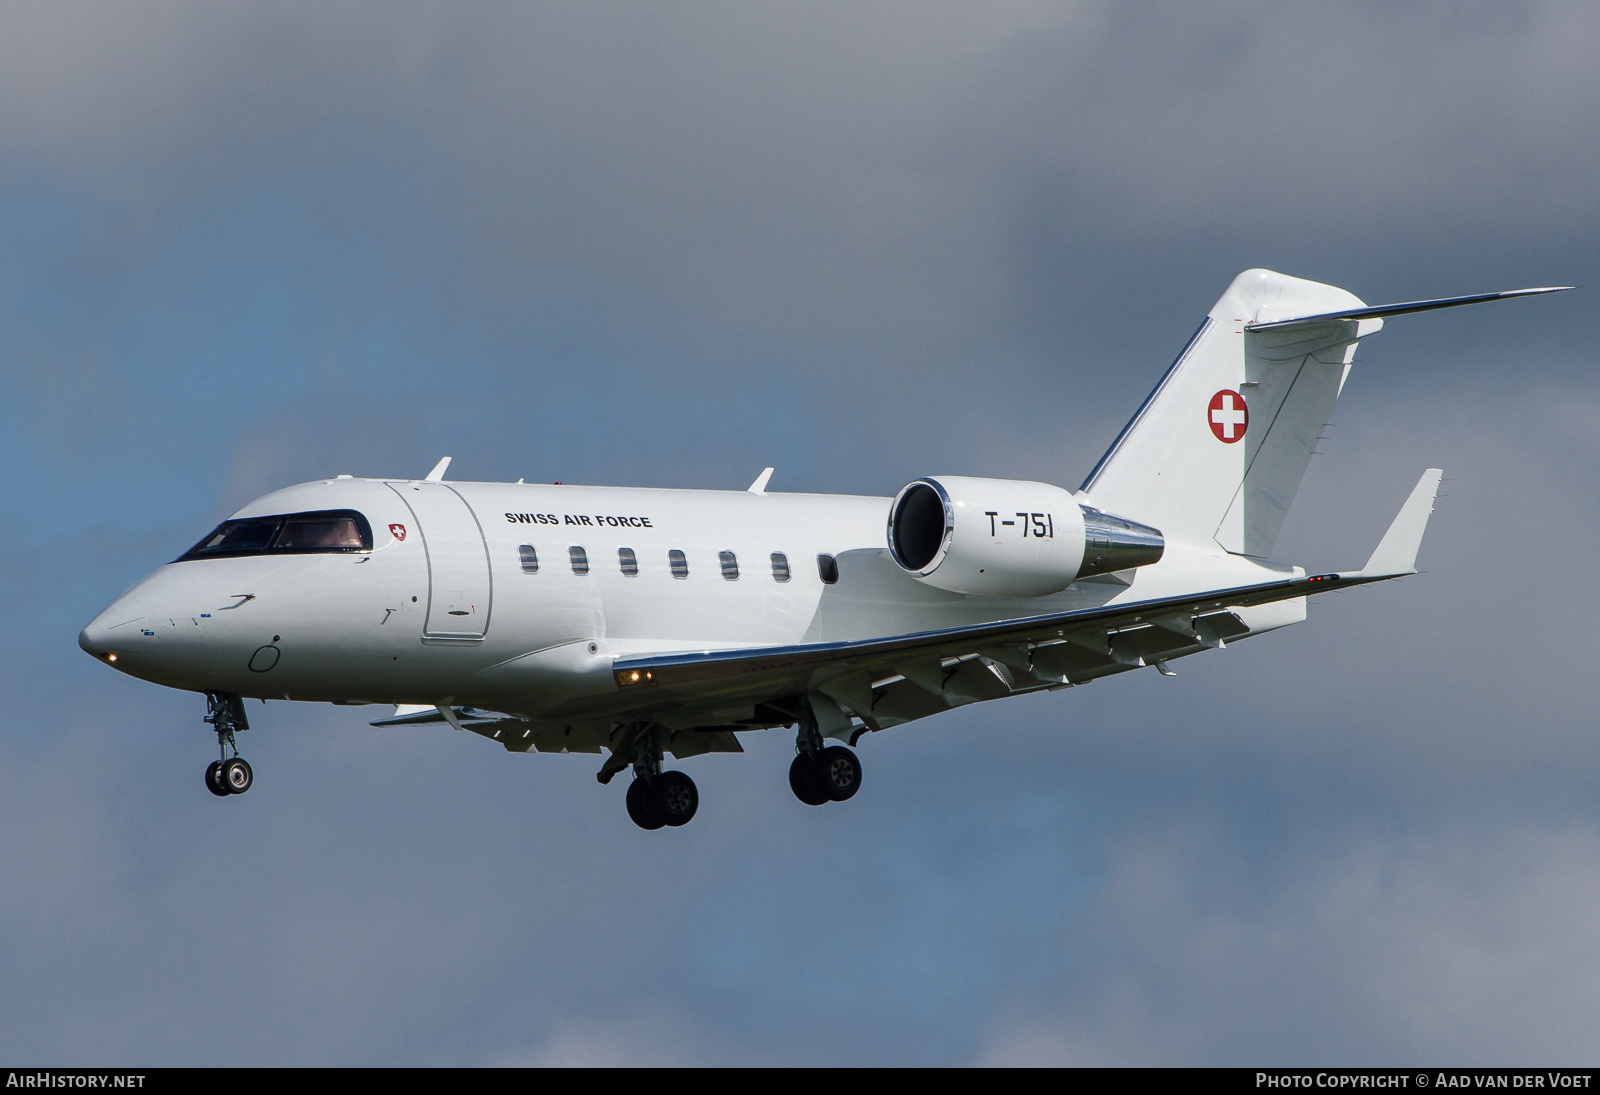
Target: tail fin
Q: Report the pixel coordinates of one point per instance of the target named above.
(1218, 450)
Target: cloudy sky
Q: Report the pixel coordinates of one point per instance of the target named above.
(246, 245)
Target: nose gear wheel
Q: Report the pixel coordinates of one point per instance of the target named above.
(236, 776)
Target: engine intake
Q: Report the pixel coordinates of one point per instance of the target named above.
(1009, 537)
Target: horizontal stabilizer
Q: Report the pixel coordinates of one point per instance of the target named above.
(1382, 311)
(1396, 553)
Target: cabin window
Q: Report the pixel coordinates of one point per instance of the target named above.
(580, 559)
(780, 567)
(318, 532)
(679, 564)
(730, 565)
(530, 559)
(827, 569)
(629, 561)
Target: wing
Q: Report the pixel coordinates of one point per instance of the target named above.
(892, 680)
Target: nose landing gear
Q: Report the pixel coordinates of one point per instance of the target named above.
(227, 776)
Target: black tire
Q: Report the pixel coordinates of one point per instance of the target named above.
(803, 782)
(837, 773)
(640, 808)
(214, 780)
(675, 798)
(236, 776)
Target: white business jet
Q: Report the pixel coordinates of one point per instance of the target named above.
(646, 622)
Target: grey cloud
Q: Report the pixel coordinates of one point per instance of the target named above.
(1399, 950)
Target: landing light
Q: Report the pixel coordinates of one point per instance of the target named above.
(111, 657)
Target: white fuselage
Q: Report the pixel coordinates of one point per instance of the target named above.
(445, 607)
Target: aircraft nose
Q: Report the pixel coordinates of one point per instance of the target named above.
(117, 622)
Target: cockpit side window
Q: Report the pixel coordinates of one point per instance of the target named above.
(320, 532)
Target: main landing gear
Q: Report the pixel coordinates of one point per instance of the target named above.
(227, 776)
(670, 798)
(655, 798)
(817, 774)
(820, 773)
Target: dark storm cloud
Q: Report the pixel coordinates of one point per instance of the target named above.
(632, 243)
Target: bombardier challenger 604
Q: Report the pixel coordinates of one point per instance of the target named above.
(643, 623)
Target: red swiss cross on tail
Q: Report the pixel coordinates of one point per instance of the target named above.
(1228, 415)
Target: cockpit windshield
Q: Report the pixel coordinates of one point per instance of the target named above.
(325, 531)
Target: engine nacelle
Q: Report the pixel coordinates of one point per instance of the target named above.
(1009, 537)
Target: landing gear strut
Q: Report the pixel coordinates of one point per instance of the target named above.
(817, 774)
(227, 776)
(655, 798)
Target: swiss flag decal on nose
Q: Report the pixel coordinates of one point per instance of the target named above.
(1228, 415)
(397, 531)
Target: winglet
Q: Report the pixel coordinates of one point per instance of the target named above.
(1396, 553)
(437, 474)
(760, 485)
